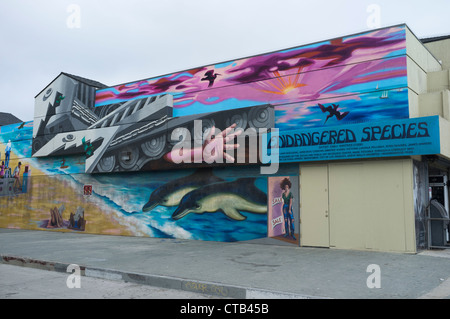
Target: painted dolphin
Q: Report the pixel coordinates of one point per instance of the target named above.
(228, 197)
(171, 193)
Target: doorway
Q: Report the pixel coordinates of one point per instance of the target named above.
(314, 219)
(363, 205)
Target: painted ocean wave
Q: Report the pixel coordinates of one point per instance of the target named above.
(123, 195)
(129, 200)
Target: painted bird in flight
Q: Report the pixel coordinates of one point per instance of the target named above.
(210, 76)
(333, 112)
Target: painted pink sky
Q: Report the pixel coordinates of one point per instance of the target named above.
(308, 72)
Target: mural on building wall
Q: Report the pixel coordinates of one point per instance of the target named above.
(338, 70)
(120, 130)
(222, 204)
(12, 163)
(283, 204)
(130, 127)
(65, 105)
(136, 135)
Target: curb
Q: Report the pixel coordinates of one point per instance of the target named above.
(197, 286)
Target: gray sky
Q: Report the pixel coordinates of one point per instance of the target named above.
(115, 41)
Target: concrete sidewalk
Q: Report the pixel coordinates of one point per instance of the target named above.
(236, 270)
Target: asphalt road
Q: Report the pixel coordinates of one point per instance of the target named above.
(29, 283)
(236, 270)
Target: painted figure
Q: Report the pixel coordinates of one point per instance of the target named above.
(288, 213)
(25, 179)
(2, 170)
(16, 176)
(7, 153)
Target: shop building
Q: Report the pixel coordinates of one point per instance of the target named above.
(344, 143)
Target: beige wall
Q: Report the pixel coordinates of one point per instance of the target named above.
(417, 77)
(444, 130)
(429, 83)
(440, 51)
(439, 80)
(420, 63)
(417, 52)
(370, 205)
(435, 103)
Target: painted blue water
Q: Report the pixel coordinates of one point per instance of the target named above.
(127, 193)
